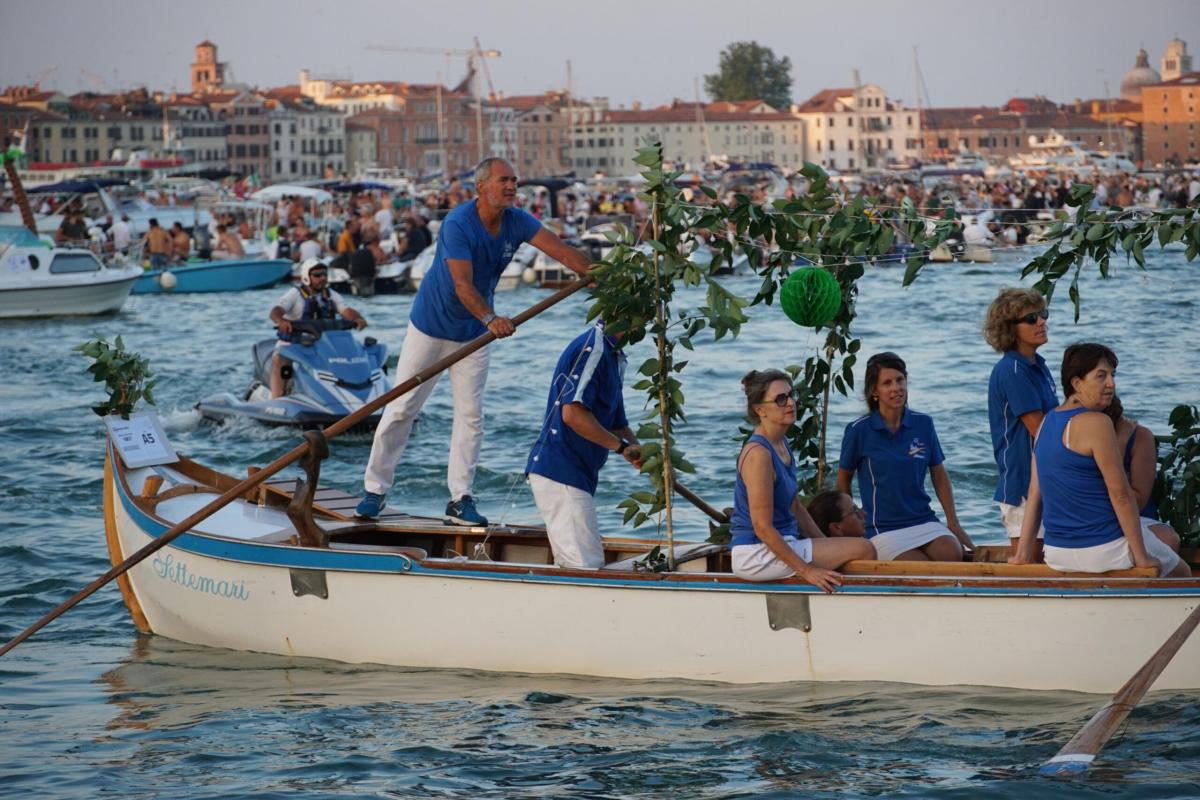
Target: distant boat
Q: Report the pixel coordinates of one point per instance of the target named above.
(40, 280)
(214, 276)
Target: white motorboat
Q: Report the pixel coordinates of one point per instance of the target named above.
(40, 280)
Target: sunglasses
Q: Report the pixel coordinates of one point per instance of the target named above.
(318, 273)
(1032, 317)
(782, 398)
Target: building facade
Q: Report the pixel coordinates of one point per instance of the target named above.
(248, 134)
(855, 129)
(308, 141)
(208, 74)
(1170, 121)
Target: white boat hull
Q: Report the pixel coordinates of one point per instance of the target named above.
(386, 608)
(100, 297)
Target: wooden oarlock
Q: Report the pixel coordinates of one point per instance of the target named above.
(243, 488)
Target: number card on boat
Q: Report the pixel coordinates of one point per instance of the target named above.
(140, 440)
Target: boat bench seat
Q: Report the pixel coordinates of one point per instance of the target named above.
(987, 569)
(689, 551)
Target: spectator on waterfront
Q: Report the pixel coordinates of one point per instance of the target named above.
(1020, 392)
(416, 237)
(228, 246)
(384, 220)
(584, 421)
(453, 306)
(349, 239)
(892, 449)
(312, 299)
(122, 234)
(1079, 488)
(281, 247)
(181, 243)
(1139, 457)
(158, 245)
(836, 514)
(311, 247)
(773, 535)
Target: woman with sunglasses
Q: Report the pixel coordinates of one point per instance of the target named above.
(1079, 487)
(1020, 393)
(891, 450)
(773, 535)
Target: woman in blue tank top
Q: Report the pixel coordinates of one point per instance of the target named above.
(1079, 489)
(773, 535)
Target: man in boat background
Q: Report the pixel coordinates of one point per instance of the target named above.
(585, 421)
(312, 299)
(475, 243)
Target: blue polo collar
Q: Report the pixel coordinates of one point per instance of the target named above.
(878, 423)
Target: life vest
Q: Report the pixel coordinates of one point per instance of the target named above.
(317, 305)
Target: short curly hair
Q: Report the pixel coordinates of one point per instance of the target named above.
(1000, 325)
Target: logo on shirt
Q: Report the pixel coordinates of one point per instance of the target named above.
(916, 449)
(508, 252)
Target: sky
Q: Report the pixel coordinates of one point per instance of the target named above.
(970, 53)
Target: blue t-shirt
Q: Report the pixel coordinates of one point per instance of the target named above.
(589, 372)
(783, 492)
(1076, 509)
(437, 311)
(1016, 387)
(891, 468)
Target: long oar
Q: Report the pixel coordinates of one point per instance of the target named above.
(699, 503)
(1078, 754)
(348, 421)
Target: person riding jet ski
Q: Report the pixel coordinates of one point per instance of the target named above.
(311, 300)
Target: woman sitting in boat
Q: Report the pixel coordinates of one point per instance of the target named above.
(1140, 460)
(773, 535)
(891, 449)
(1020, 392)
(1079, 488)
(836, 514)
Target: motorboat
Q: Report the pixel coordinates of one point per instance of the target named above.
(332, 374)
(288, 571)
(233, 275)
(38, 279)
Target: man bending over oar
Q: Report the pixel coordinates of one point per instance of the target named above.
(585, 420)
(476, 242)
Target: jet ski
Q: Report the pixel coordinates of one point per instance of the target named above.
(332, 374)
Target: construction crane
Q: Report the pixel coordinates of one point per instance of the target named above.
(475, 60)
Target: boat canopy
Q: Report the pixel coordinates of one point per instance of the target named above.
(77, 187)
(362, 186)
(281, 190)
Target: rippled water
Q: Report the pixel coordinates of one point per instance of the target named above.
(90, 708)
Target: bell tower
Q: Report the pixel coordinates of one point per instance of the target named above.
(207, 72)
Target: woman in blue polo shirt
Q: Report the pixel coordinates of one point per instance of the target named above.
(773, 535)
(1079, 488)
(891, 449)
(1020, 392)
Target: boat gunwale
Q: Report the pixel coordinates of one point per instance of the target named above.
(309, 557)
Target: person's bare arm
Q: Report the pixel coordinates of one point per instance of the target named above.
(1144, 465)
(561, 252)
(1027, 544)
(581, 420)
(1032, 420)
(358, 319)
(945, 496)
(462, 273)
(281, 322)
(845, 477)
(1093, 434)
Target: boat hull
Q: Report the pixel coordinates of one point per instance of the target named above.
(216, 276)
(99, 297)
(251, 594)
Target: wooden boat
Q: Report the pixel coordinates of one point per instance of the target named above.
(410, 591)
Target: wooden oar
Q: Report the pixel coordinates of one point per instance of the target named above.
(1078, 754)
(699, 503)
(348, 421)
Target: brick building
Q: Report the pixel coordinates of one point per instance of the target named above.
(1170, 120)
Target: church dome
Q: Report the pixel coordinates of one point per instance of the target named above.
(1141, 75)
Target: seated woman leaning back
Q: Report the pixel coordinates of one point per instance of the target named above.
(773, 535)
(1079, 489)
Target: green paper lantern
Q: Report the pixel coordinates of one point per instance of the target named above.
(811, 297)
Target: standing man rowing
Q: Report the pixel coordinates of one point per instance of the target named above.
(475, 243)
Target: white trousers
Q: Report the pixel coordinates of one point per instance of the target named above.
(467, 379)
(1112, 555)
(756, 562)
(571, 523)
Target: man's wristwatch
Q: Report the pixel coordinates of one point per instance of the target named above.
(487, 320)
(621, 447)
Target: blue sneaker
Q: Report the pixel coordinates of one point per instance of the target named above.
(463, 512)
(370, 506)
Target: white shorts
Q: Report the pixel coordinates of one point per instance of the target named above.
(1112, 555)
(571, 523)
(1013, 517)
(756, 562)
(893, 543)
